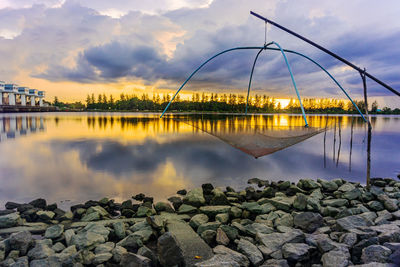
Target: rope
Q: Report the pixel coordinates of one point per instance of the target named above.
(265, 33)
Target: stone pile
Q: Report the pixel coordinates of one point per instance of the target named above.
(310, 223)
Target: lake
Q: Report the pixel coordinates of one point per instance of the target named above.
(73, 157)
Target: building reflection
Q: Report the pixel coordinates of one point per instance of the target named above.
(12, 127)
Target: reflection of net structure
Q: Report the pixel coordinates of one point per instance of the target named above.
(256, 140)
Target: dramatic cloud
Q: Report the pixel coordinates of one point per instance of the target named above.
(161, 42)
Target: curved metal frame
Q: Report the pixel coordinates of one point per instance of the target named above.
(287, 63)
(313, 61)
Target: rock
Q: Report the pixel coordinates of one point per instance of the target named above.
(21, 241)
(353, 221)
(208, 226)
(54, 231)
(308, 221)
(68, 255)
(170, 254)
(86, 240)
(144, 211)
(275, 241)
(282, 203)
(131, 242)
(329, 186)
(208, 236)
(284, 220)
(186, 209)
(117, 253)
(219, 198)
(176, 202)
(94, 216)
(10, 220)
(45, 215)
(119, 230)
(148, 253)
(39, 203)
(58, 247)
(103, 248)
(12, 205)
(236, 212)
(295, 252)
(163, 206)
(284, 185)
(233, 255)
(275, 263)
(222, 218)
(157, 222)
(40, 251)
(68, 236)
(375, 205)
(230, 231)
(100, 210)
(144, 235)
(194, 198)
(352, 194)
(21, 262)
(97, 229)
(221, 237)
(300, 202)
(337, 202)
(250, 251)
(388, 203)
(252, 207)
(189, 242)
(375, 253)
(182, 192)
(309, 184)
(143, 225)
(323, 242)
(103, 257)
(346, 187)
(212, 211)
(350, 239)
(336, 258)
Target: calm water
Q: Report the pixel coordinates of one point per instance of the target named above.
(72, 157)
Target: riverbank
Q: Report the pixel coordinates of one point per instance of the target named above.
(311, 223)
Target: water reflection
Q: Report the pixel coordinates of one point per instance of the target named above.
(87, 156)
(15, 126)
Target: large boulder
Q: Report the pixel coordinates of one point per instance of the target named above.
(237, 257)
(336, 258)
(54, 231)
(251, 251)
(295, 252)
(21, 241)
(308, 221)
(134, 260)
(10, 220)
(275, 241)
(375, 253)
(195, 197)
(87, 239)
(353, 221)
(170, 254)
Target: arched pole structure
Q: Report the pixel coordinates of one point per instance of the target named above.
(313, 61)
(251, 77)
(248, 91)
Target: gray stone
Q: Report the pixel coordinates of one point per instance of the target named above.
(87, 256)
(300, 202)
(275, 241)
(54, 231)
(219, 260)
(309, 184)
(222, 218)
(353, 221)
(195, 197)
(45, 215)
(375, 253)
(21, 241)
(375, 205)
(284, 220)
(252, 207)
(329, 186)
(10, 220)
(90, 217)
(346, 187)
(169, 251)
(221, 237)
(350, 239)
(208, 226)
(131, 242)
(117, 253)
(97, 229)
(102, 212)
(230, 231)
(40, 251)
(308, 221)
(275, 263)
(186, 209)
(68, 234)
(337, 202)
(21, 262)
(233, 255)
(392, 246)
(134, 260)
(208, 236)
(197, 220)
(101, 258)
(236, 212)
(58, 247)
(119, 230)
(219, 197)
(352, 194)
(336, 258)
(67, 255)
(144, 211)
(190, 243)
(250, 251)
(295, 252)
(144, 235)
(163, 206)
(148, 253)
(103, 248)
(388, 203)
(86, 240)
(282, 203)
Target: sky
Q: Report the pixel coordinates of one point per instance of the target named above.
(72, 48)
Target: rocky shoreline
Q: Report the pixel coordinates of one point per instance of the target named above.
(310, 223)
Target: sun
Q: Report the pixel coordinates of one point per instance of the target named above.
(284, 102)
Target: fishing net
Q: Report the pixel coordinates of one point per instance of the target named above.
(253, 139)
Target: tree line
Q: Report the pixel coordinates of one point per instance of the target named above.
(217, 103)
